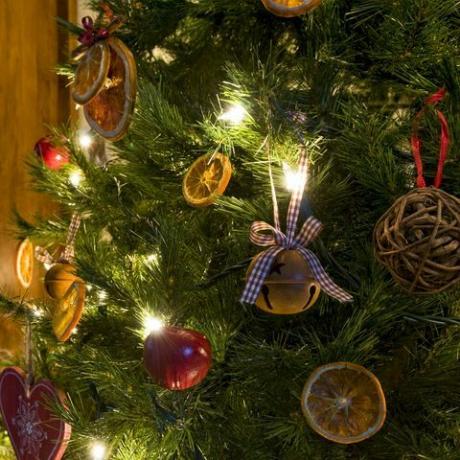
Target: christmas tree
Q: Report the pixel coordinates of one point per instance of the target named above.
(235, 99)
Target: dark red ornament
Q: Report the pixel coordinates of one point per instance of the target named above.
(35, 432)
(54, 157)
(177, 358)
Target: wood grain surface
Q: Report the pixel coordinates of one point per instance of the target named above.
(31, 97)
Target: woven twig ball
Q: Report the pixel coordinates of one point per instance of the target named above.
(418, 240)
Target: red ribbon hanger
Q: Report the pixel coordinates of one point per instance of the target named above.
(416, 142)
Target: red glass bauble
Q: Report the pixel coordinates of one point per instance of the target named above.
(54, 157)
(177, 358)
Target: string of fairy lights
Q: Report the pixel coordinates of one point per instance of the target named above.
(233, 115)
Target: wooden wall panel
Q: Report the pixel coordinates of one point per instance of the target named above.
(31, 97)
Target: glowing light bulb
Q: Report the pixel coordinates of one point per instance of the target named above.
(102, 295)
(293, 180)
(85, 140)
(75, 177)
(98, 450)
(152, 258)
(152, 324)
(37, 312)
(235, 114)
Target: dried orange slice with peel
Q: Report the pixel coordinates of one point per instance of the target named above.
(109, 111)
(67, 311)
(290, 8)
(25, 263)
(206, 179)
(91, 72)
(344, 402)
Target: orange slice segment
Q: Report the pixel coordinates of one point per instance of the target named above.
(67, 312)
(25, 263)
(290, 8)
(206, 179)
(109, 112)
(344, 402)
(91, 72)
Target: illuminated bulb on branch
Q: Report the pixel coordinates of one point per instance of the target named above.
(37, 312)
(152, 324)
(98, 451)
(293, 180)
(102, 295)
(75, 177)
(152, 258)
(235, 114)
(85, 140)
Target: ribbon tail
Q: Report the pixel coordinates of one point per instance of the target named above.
(310, 230)
(258, 274)
(43, 256)
(324, 280)
(69, 251)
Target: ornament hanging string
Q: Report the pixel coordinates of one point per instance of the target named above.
(276, 214)
(277, 241)
(416, 142)
(42, 255)
(29, 358)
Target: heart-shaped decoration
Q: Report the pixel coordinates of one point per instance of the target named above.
(35, 432)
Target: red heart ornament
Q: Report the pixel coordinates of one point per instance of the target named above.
(35, 432)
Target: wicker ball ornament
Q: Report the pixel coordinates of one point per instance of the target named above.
(418, 240)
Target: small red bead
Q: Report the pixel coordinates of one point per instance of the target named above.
(54, 157)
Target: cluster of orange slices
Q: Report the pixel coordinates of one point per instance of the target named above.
(61, 284)
(105, 84)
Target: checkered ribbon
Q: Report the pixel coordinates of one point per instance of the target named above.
(277, 241)
(42, 255)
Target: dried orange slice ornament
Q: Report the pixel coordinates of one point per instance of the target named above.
(25, 263)
(344, 402)
(290, 8)
(206, 179)
(109, 111)
(67, 311)
(91, 72)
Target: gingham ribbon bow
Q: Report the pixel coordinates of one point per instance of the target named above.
(278, 241)
(42, 255)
